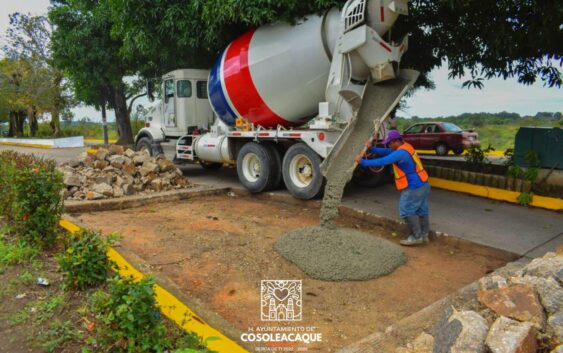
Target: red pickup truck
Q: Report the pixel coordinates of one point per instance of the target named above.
(441, 137)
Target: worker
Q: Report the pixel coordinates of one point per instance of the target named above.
(410, 178)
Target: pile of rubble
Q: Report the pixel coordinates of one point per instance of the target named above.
(116, 172)
(522, 313)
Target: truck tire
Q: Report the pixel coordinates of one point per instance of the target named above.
(144, 143)
(441, 149)
(301, 172)
(210, 165)
(257, 167)
(277, 171)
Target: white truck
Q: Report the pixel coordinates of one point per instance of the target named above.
(278, 98)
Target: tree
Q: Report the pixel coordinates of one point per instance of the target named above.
(505, 38)
(84, 48)
(28, 38)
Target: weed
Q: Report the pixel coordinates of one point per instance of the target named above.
(59, 333)
(84, 263)
(476, 157)
(20, 317)
(525, 198)
(16, 251)
(26, 277)
(46, 309)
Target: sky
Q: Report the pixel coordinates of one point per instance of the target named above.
(447, 99)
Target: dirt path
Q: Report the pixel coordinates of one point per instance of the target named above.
(219, 248)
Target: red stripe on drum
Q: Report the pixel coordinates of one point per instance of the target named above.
(241, 88)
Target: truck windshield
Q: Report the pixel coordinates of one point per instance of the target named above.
(449, 127)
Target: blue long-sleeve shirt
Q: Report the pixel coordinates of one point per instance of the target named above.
(402, 158)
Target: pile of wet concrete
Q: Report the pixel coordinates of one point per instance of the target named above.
(117, 172)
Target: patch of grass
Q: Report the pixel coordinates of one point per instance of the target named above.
(48, 308)
(20, 317)
(58, 334)
(16, 252)
(26, 277)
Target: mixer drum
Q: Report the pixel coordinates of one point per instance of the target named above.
(274, 75)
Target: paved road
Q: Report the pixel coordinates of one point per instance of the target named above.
(525, 231)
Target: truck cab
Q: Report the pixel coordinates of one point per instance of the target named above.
(183, 109)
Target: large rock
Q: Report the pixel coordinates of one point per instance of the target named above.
(555, 327)
(116, 149)
(129, 168)
(103, 189)
(148, 167)
(460, 332)
(519, 302)
(104, 179)
(71, 180)
(117, 161)
(128, 189)
(165, 165)
(551, 264)
(510, 336)
(129, 153)
(140, 158)
(101, 154)
(99, 164)
(549, 290)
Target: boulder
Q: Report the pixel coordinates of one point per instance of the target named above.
(460, 332)
(555, 327)
(148, 167)
(103, 189)
(99, 164)
(101, 154)
(549, 290)
(129, 168)
(91, 195)
(510, 336)
(156, 184)
(105, 179)
(140, 158)
(118, 191)
(165, 165)
(71, 180)
(551, 264)
(116, 149)
(423, 343)
(519, 302)
(74, 163)
(117, 161)
(129, 153)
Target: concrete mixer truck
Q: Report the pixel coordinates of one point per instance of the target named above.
(279, 97)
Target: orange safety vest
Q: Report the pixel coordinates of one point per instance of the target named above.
(401, 180)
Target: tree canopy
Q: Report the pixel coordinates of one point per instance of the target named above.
(485, 39)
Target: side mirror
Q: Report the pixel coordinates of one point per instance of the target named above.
(150, 90)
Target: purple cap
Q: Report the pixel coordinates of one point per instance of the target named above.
(392, 135)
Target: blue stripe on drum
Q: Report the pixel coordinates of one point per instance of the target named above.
(217, 95)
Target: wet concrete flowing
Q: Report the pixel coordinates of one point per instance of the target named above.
(340, 254)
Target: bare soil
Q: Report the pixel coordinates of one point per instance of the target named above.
(219, 248)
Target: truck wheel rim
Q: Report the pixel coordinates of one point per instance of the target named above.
(301, 171)
(251, 167)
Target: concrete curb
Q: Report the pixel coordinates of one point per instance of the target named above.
(549, 203)
(172, 307)
(64, 142)
(141, 200)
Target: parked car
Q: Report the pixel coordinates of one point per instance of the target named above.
(441, 137)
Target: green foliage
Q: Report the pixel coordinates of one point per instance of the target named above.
(127, 316)
(14, 251)
(525, 198)
(30, 188)
(46, 309)
(84, 262)
(58, 333)
(476, 156)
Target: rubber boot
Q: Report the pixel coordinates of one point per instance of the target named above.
(425, 228)
(414, 227)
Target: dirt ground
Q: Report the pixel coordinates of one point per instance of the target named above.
(219, 248)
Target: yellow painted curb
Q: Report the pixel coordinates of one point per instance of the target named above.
(91, 150)
(25, 145)
(170, 306)
(100, 140)
(549, 203)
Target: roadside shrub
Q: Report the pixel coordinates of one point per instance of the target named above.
(476, 157)
(525, 198)
(127, 317)
(30, 188)
(84, 262)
